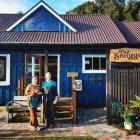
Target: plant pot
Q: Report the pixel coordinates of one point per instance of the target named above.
(128, 125)
(138, 125)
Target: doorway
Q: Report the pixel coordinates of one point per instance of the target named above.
(35, 65)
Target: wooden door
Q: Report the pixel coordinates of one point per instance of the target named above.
(34, 66)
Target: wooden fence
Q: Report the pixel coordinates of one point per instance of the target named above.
(125, 84)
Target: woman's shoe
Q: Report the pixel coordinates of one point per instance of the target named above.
(38, 128)
(33, 128)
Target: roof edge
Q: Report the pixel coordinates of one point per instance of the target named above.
(42, 3)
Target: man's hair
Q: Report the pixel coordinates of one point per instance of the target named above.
(48, 73)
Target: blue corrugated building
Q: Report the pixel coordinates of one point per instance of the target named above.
(42, 40)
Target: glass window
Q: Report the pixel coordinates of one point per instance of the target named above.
(103, 63)
(4, 69)
(33, 66)
(41, 20)
(88, 63)
(94, 63)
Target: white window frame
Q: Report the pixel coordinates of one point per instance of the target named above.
(7, 82)
(92, 71)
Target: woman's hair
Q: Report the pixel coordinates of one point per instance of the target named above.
(34, 76)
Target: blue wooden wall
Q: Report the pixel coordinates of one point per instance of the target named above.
(16, 70)
(94, 90)
(93, 93)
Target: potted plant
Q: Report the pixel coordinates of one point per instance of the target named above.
(136, 104)
(127, 115)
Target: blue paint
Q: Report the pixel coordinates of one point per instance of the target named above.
(41, 20)
(94, 85)
(94, 91)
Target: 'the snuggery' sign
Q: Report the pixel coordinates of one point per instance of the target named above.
(125, 55)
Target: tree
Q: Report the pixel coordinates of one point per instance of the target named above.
(116, 9)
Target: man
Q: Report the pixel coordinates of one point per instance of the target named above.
(51, 97)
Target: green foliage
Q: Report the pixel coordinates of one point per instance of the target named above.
(135, 103)
(117, 9)
(127, 115)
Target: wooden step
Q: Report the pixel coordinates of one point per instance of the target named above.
(63, 119)
(64, 103)
(63, 108)
(65, 99)
(63, 114)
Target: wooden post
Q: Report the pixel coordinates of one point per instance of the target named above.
(45, 70)
(74, 100)
(19, 87)
(42, 111)
(26, 69)
(108, 87)
(46, 61)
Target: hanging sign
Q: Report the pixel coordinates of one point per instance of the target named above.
(125, 55)
(78, 85)
(72, 74)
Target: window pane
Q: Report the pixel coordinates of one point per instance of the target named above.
(42, 20)
(2, 68)
(36, 60)
(103, 63)
(95, 63)
(88, 63)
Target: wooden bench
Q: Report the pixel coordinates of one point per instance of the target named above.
(19, 106)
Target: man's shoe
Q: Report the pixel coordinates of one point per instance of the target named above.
(52, 126)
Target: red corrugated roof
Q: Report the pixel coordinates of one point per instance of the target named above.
(92, 29)
(130, 30)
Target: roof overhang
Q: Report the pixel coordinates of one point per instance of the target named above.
(86, 47)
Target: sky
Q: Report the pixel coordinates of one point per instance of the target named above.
(60, 6)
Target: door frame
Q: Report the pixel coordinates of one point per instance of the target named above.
(58, 71)
(58, 68)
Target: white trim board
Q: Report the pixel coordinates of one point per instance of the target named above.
(46, 7)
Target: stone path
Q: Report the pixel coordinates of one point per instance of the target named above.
(91, 122)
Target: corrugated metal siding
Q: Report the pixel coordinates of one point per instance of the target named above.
(130, 30)
(92, 29)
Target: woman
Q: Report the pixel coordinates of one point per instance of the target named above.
(33, 92)
(50, 92)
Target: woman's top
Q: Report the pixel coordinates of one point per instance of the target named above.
(50, 90)
(35, 99)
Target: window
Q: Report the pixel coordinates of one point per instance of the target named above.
(94, 63)
(41, 20)
(4, 69)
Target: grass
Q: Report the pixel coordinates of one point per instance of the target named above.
(72, 138)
